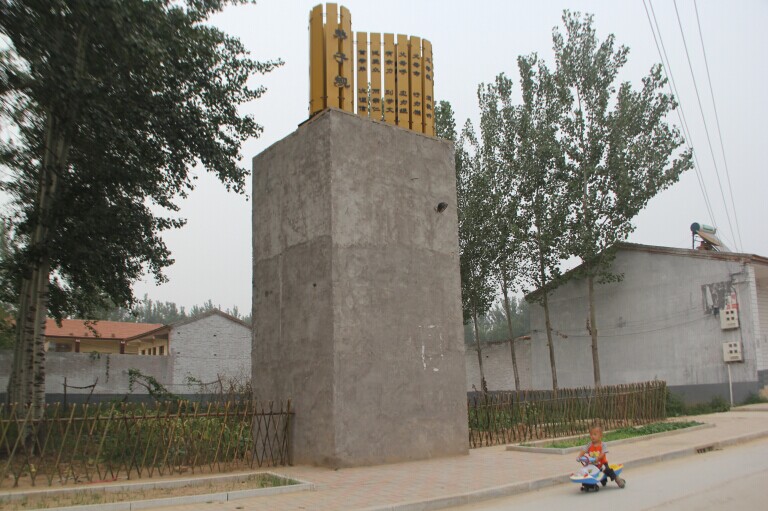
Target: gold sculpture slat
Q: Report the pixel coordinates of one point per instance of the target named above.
(414, 65)
(395, 80)
(403, 79)
(376, 66)
(428, 89)
(347, 63)
(390, 80)
(362, 74)
(316, 64)
(331, 50)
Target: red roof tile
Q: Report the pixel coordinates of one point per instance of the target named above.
(77, 328)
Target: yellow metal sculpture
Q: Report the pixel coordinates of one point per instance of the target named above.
(394, 75)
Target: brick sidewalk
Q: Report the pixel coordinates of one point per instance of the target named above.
(484, 473)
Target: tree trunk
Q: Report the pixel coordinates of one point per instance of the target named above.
(483, 384)
(38, 366)
(27, 381)
(593, 328)
(504, 292)
(549, 344)
(547, 322)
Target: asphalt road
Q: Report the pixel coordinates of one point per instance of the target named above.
(733, 478)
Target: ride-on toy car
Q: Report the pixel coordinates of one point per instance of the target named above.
(590, 477)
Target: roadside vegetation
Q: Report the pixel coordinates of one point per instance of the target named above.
(624, 433)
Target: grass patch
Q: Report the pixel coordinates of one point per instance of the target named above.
(621, 434)
(253, 481)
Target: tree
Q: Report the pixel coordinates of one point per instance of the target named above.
(112, 104)
(7, 293)
(542, 186)
(474, 213)
(498, 124)
(619, 148)
(475, 205)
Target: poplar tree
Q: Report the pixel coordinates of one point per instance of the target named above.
(498, 125)
(539, 164)
(619, 149)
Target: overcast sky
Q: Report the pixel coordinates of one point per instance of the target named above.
(472, 43)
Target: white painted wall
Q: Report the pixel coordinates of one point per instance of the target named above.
(497, 366)
(207, 348)
(651, 325)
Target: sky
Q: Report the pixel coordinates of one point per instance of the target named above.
(472, 43)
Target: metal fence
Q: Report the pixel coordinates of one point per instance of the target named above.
(507, 417)
(109, 442)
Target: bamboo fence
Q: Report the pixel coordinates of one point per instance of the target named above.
(109, 442)
(508, 417)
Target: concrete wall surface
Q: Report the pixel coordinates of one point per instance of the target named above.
(357, 306)
(654, 324)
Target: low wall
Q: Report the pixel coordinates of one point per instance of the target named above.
(109, 372)
(497, 366)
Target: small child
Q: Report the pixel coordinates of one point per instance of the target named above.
(597, 449)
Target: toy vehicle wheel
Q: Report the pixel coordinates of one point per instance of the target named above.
(604, 482)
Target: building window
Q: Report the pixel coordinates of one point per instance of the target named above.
(143, 352)
(62, 347)
(162, 350)
(154, 351)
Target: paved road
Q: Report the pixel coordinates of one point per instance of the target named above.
(733, 478)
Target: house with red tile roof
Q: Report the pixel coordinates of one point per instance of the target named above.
(89, 336)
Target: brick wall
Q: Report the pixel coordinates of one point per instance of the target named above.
(209, 347)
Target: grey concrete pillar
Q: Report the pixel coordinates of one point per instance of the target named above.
(356, 292)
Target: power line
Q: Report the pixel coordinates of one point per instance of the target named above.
(680, 111)
(704, 121)
(717, 122)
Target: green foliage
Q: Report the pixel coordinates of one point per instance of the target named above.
(8, 294)
(133, 94)
(676, 407)
(154, 388)
(492, 326)
(753, 399)
(150, 311)
(623, 433)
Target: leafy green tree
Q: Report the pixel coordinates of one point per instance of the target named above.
(498, 125)
(112, 104)
(8, 294)
(542, 186)
(475, 205)
(474, 214)
(619, 148)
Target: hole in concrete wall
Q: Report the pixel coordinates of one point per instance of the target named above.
(441, 206)
(314, 284)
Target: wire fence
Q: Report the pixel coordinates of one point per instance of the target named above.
(109, 442)
(509, 417)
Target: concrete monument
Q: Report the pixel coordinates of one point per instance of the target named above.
(356, 292)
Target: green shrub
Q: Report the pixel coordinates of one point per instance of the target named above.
(753, 399)
(676, 407)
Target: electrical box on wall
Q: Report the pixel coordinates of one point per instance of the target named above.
(729, 318)
(732, 352)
